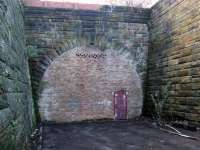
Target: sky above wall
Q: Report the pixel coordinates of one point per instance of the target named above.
(145, 3)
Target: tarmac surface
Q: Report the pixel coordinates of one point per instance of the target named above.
(127, 135)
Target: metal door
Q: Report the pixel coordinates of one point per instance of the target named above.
(120, 105)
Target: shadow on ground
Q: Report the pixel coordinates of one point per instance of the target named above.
(128, 135)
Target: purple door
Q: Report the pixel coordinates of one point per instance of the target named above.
(120, 105)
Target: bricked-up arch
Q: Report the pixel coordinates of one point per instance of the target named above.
(79, 85)
(40, 64)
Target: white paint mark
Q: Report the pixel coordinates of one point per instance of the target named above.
(105, 103)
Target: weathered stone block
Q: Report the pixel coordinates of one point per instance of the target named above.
(3, 102)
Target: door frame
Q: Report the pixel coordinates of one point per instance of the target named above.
(114, 103)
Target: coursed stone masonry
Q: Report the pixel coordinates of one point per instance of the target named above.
(174, 57)
(16, 105)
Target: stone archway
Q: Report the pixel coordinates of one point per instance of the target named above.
(80, 83)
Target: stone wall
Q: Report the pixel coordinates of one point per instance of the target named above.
(51, 32)
(16, 109)
(174, 57)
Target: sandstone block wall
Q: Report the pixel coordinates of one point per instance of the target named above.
(174, 57)
(16, 107)
(55, 31)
